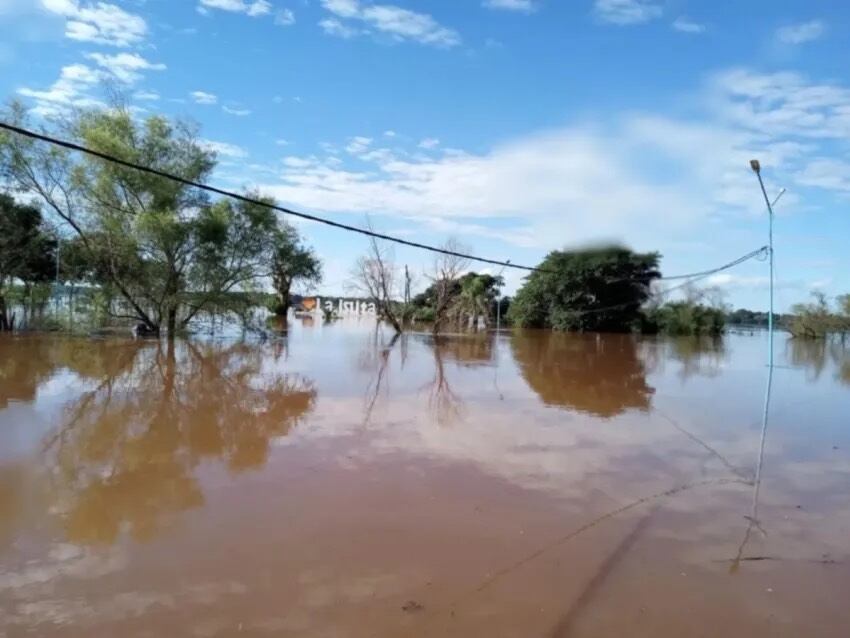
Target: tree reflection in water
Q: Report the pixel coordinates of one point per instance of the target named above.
(813, 355)
(128, 449)
(467, 350)
(703, 356)
(445, 405)
(599, 374)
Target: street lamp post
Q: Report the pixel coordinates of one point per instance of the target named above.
(756, 166)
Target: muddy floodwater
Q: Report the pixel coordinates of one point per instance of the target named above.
(337, 483)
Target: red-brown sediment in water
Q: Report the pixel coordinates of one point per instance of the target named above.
(335, 484)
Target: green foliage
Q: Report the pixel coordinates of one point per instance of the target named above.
(425, 314)
(27, 252)
(593, 289)
(685, 318)
(291, 262)
(816, 320)
(469, 297)
(163, 248)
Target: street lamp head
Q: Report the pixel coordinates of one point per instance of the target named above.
(754, 164)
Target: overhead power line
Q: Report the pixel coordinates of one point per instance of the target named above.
(706, 273)
(314, 218)
(692, 278)
(250, 200)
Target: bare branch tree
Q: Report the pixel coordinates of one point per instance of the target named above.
(445, 274)
(374, 277)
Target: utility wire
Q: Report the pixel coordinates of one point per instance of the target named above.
(706, 273)
(288, 211)
(702, 273)
(250, 200)
(695, 277)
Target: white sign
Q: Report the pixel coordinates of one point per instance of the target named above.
(347, 307)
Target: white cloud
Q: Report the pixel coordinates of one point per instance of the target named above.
(358, 145)
(685, 25)
(236, 111)
(148, 96)
(282, 142)
(549, 184)
(253, 9)
(284, 17)
(783, 104)
(637, 177)
(801, 33)
(98, 22)
(297, 162)
(429, 143)
(225, 149)
(77, 82)
(625, 12)
(126, 67)
(832, 174)
(396, 22)
(70, 90)
(336, 28)
(526, 6)
(202, 97)
(389, 133)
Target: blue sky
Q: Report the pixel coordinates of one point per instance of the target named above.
(515, 126)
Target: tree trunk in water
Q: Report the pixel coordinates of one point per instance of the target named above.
(4, 320)
(172, 321)
(282, 309)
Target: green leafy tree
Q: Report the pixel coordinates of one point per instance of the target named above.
(815, 320)
(476, 298)
(292, 263)
(159, 245)
(27, 251)
(685, 318)
(593, 289)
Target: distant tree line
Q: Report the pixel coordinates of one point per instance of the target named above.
(816, 319)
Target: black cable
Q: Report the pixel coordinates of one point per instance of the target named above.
(706, 273)
(249, 200)
(288, 211)
(693, 278)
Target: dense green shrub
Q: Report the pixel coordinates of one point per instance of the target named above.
(685, 318)
(594, 289)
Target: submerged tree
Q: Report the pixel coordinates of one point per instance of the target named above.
(27, 251)
(375, 277)
(445, 287)
(160, 245)
(592, 289)
(476, 299)
(292, 262)
(816, 320)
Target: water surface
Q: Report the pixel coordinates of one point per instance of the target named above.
(341, 483)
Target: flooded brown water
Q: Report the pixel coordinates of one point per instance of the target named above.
(338, 484)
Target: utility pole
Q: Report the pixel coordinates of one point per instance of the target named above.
(756, 166)
(499, 298)
(406, 285)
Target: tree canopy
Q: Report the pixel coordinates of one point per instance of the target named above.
(592, 289)
(161, 247)
(27, 250)
(291, 262)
